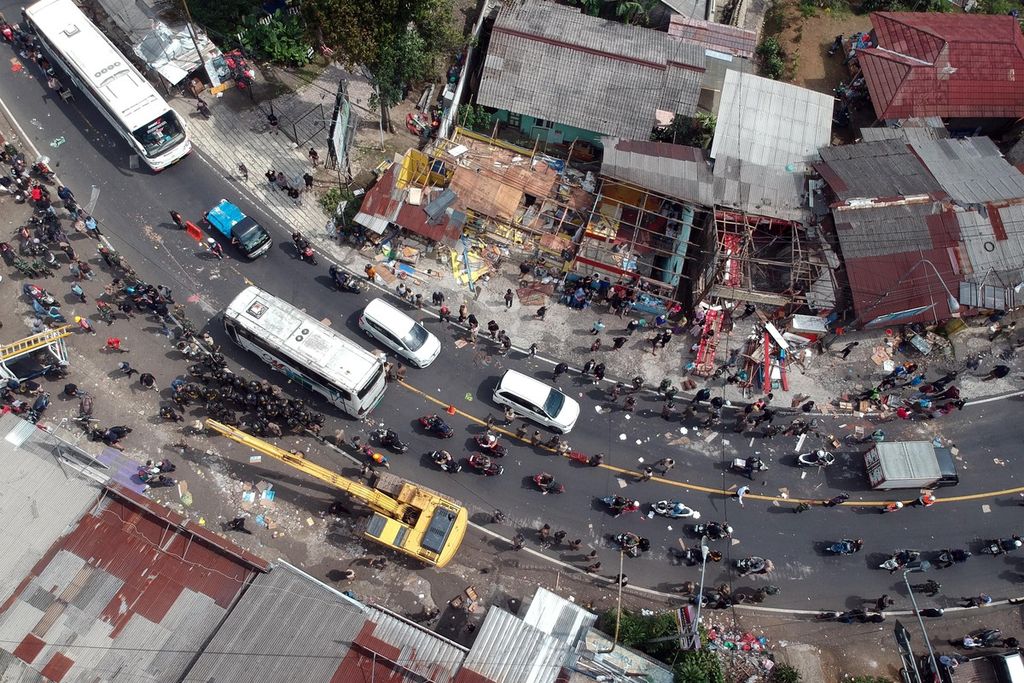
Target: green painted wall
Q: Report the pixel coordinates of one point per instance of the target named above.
(558, 133)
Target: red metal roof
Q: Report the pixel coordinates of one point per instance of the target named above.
(380, 202)
(948, 65)
(721, 37)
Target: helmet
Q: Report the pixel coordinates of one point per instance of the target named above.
(211, 241)
(1017, 543)
(899, 505)
(78, 318)
(635, 503)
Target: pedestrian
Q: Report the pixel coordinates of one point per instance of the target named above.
(510, 415)
(533, 349)
(560, 536)
(463, 312)
(521, 432)
(845, 353)
(646, 474)
(443, 314)
(931, 588)
(308, 179)
(114, 344)
(632, 326)
(271, 176)
(178, 220)
(237, 524)
(518, 541)
(314, 158)
(147, 380)
(654, 344)
(215, 248)
(667, 410)
(740, 492)
(126, 307)
(596, 346)
(977, 601)
(998, 372)
(244, 171)
(127, 369)
(575, 544)
(541, 312)
(884, 602)
(593, 568)
(544, 532)
(492, 329)
(665, 338)
(597, 328)
(630, 404)
(615, 391)
(618, 342)
(535, 439)
(281, 181)
(748, 310)
(293, 194)
(509, 298)
(665, 464)
(701, 395)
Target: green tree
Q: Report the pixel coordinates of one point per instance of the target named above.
(631, 11)
(771, 58)
(281, 40)
(784, 673)
(697, 666)
(220, 18)
(398, 41)
(474, 117)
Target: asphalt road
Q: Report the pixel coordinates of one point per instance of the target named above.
(133, 210)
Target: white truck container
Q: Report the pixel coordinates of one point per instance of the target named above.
(910, 465)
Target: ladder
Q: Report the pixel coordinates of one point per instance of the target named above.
(37, 341)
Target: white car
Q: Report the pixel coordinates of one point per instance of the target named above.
(400, 333)
(533, 399)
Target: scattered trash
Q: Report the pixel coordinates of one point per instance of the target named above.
(622, 437)
(255, 458)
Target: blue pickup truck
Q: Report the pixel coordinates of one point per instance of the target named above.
(244, 232)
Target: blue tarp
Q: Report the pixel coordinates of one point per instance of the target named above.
(224, 216)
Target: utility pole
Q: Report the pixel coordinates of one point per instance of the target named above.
(195, 40)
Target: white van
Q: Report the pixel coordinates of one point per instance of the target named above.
(400, 333)
(537, 401)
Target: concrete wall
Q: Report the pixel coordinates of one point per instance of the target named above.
(558, 133)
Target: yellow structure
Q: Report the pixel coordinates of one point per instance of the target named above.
(50, 340)
(406, 517)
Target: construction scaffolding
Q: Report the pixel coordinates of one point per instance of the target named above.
(769, 261)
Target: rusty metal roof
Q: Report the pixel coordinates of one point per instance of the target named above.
(948, 65)
(731, 40)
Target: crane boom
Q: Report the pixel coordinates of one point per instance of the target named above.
(408, 518)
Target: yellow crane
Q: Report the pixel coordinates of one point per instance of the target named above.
(406, 517)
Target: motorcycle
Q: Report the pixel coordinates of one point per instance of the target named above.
(484, 465)
(947, 558)
(900, 559)
(308, 255)
(52, 313)
(344, 282)
(620, 505)
(436, 426)
(846, 546)
(489, 444)
(156, 481)
(748, 466)
(818, 458)
(39, 294)
(753, 565)
(547, 484)
(989, 637)
(169, 413)
(673, 509)
(632, 544)
(445, 461)
(42, 170)
(39, 406)
(389, 439)
(1001, 546)
(716, 531)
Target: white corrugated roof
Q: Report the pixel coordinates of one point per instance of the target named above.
(508, 650)
(769, 123)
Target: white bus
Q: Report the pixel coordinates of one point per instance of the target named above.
(306, 351)
(115, 86)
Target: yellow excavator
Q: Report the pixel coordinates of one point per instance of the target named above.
(406, 517)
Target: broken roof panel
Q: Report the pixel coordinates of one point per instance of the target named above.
(556, 616)
(948, 65)
(555, 63)
(731, 40)
(971, 170)
(508, 650)
(771, 192)
(672, 170)
(887, 168)
(771, 124)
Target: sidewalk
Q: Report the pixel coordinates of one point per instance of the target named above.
(238, 132)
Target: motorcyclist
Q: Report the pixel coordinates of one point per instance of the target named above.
(1005, 545)
(489, 440)
(628, 540)
(442, 458)
(718, 530)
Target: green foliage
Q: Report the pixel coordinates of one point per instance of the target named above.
(282, 40)
(697, 666)
(329, 202)
(694, 132)
(399, 41)
(221, 18)
(589, 7)
(870, 679)
(784, 673)
(909, 6)
(996, 6)
(631, 11)
(772, 58)
(474, 117)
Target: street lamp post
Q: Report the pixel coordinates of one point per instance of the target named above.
(704, 552)
(922, 567)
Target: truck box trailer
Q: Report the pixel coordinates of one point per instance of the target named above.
(910, 465)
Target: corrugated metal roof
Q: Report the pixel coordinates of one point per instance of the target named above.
(559, 617)
(419, 650)
(995, 259)
(731, 40)
(971, 170)
(39, 500)
(555, 63)
(907, 459)
(948, 65)
(98, 589)
(672, 170)
(761, 191)
(887, 168)
(508, 650)
(284, 623)
(905, 133)
(687, 8)
(769, 123)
